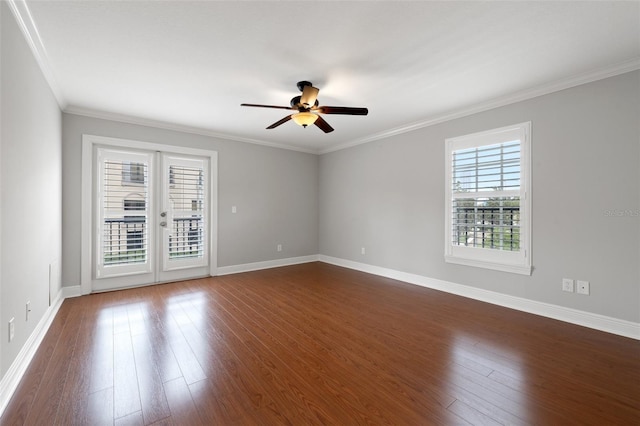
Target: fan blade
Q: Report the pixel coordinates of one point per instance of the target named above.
(324, 126)
(309, 95)
(342, 110)
(277, 123)
(267, 106)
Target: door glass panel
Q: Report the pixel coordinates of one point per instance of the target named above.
(123, 246)
(185, 200)
(186, 194)
(125, 221)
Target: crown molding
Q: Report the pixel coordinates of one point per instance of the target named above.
(523, 95)
(577, 80)
(28, 27)
(122, 118)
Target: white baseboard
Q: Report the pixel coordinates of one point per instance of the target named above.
(12, 378)
(255, 266)
(72, 291)
(573, 316)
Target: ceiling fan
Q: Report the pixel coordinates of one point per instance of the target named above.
(308, 109)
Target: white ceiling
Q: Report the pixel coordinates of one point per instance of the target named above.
(191, 64)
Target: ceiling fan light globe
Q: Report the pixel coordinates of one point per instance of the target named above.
(304, 118)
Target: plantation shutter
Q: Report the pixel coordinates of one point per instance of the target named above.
(123, 199)
(185, 201)
(486, 196)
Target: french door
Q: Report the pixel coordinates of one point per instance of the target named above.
(151, 217)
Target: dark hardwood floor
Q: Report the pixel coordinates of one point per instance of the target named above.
(318, 344)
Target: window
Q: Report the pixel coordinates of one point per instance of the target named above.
(123, 214)
(135, 204)
(187, 210)
(487, 221)
(135, 224)
(133, 173)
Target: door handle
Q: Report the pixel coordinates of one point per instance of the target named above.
(163, 224)
(163, 214)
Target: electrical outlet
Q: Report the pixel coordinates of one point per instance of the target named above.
(567, 285)
(234, 209)
(12, 329)
(28, 309)
(582, 287)
(279, 247)
(362, 251)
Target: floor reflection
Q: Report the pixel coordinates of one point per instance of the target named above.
(185, 316)
(139, 347)
(188, 308)
(490, 378)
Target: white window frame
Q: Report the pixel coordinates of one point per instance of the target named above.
(501, 260)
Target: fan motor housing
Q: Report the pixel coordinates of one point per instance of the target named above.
(295, 103)
(302, 84)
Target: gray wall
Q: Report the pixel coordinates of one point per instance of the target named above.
(275, 192)
(30, 173)
(388, 196)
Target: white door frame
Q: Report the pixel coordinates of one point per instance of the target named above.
(87, 227)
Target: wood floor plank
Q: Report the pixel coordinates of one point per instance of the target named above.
(319, 344)
(181, 404)
(101, 349)
(47, 400)
(326, 379)
(220, 373)
(327, 374)
(191, 369)
(232, 356)
(72, 407)
(471, 415)
(126, 393)
(152, 397)
(388, 369)
(223, 366)
(133, 419)
(99, 408)
(298, 399)
(162, 354)
(20, 404)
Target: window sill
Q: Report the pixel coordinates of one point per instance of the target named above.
(514, 269)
